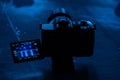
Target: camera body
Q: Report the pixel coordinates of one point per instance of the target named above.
(64, 37)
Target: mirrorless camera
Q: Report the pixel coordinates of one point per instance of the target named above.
(60, 37)
(69, 38)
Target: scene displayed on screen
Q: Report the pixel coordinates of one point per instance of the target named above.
(27, 50)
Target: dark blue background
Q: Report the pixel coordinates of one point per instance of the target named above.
(20, 19)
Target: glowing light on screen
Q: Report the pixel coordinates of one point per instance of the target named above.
(26, 50)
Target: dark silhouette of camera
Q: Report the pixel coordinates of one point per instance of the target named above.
(61, 39)
(62, 36)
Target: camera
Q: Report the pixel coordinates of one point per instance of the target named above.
(62, 36)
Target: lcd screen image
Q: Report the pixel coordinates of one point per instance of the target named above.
(25, 50)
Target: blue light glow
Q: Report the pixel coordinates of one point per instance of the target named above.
(26, 54)
(31, 51)
(22, 54)
(24, 47)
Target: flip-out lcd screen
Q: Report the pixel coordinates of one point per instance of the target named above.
(26, 50)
